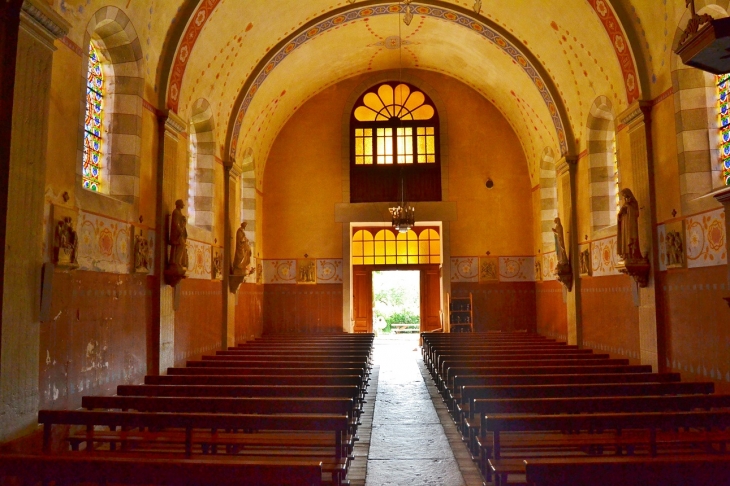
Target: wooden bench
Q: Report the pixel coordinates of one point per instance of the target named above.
(702, 470)
(162, 471)
(191, 434)
(263, 370)
(437, 356)
(309, 380)
(525, 436)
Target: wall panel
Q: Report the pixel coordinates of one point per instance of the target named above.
(552, 317)
(249, 312)
(505, 306)
(302, 308)
(198, 319)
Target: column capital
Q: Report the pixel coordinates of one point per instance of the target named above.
(41, 21)
(638, 112)
(567, 163)
(233, 168)
(174, 125)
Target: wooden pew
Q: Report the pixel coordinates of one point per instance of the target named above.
(525, 356)
(701, 470)
(525, 436)
(162, 471)
(309, 380)
(195, 433)
(263, 370)
(433, 358)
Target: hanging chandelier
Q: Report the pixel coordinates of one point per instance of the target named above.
(404, 215)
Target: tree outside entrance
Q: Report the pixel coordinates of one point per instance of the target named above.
(396, 301)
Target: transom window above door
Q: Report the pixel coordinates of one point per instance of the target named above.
(394, 145)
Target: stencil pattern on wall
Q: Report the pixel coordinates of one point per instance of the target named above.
(104, 244)
(280, 271)
(604, 258)
(329, 271)
(516, 269)
(549, 265)
(199, 260)
(465, 269)
(705, 239)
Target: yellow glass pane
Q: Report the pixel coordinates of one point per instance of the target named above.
(367, 236)
(390, 248)
(368, 248)
(413, 248)
(430, 144)
(433, 234)
(402, 91)
(381, 235)
(390, 260)
(358, 236)
(421, 146)
(423, 259)
(415, 100)
(411, 235)
(430, 130)
(379, 248)
(357, 261)
(359, 146)
(367, 160)
(372, 101)
(435, 259)
(368, 145)
(401, 260)
(357, 249)
(364, 113)
(386, 94)
(402, 248)
(435, 248)
(424, 112)
(423, 248)
(368, 261)
(413, 260)
(380, 260)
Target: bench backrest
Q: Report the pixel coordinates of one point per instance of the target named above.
(238, 391)
(312, 380)
(263, 370)
(505, 380)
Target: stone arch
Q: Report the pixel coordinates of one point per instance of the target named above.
(601, 138)
(696, 123)
(201, 179)
(548, 198)
(114, 36)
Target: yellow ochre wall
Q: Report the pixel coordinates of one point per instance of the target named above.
(303, 176)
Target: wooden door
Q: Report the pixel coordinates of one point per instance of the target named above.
(362, 298)
(430, 298)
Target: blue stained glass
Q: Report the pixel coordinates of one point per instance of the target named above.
(726, 164)
(94, 118)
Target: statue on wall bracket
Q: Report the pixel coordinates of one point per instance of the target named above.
(141, 245)
(563, 270)
(65, 244)
(632, 262)
(177, 262)
(241, 261)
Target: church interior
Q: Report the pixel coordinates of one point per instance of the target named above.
(185, 177)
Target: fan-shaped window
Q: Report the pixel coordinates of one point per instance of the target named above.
(93, 138)
(388, 247)
(394, 140)
(723, 112)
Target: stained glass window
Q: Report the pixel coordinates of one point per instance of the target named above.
(93, 138)
(388, 247)
(616, 180)
(394, 123)
(723, 108)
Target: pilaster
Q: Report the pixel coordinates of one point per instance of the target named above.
(566, 170)
(39, 27)
(232, 217)
(161, 349)
(723, 197)
(651, 318)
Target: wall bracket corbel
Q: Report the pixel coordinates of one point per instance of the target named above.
(638, 268)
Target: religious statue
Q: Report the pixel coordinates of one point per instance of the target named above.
(66, 243)
(560, 242)
(141, 254)
(307, 271)
(538, 269)
(585, 262)
(674, 249)
(242, 254)
(177, 264)
(217, 264)
(628, 227)
(627, 246)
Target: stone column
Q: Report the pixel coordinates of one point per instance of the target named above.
(723, 197)
(161, 349)
(651, 339)
(232, 217)
(39, 27)
(566, 174)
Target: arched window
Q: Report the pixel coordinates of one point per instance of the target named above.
(723, 112)
(389, 247)
(93, 137)
(394, 138)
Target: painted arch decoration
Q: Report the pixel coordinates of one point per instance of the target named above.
(448, 15)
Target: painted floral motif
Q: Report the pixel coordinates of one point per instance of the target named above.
(549, 266)
(516, 269)
(329, 271)
(103, 244)
(705, 236)
(604, 258)
(200, 260)
(465, 269)
(280, 271)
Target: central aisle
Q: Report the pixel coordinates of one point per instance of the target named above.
(408, 445)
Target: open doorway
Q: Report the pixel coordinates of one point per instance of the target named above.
(396, 302)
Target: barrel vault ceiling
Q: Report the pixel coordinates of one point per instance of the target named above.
(540, 62)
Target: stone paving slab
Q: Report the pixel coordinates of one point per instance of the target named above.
(414, 472)
(409, 441)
